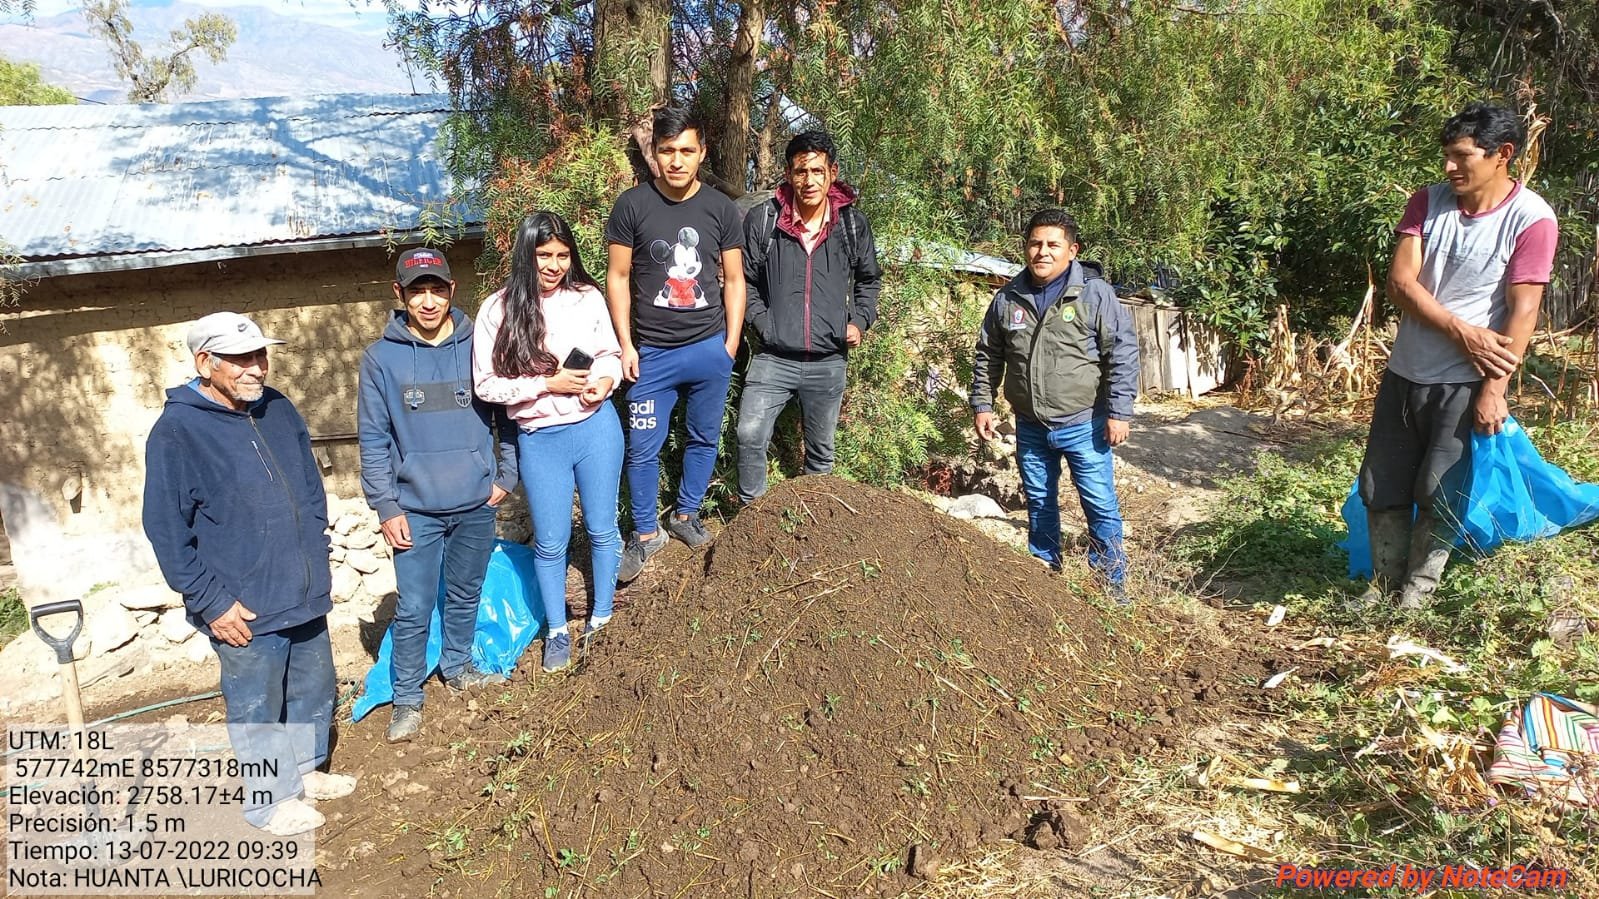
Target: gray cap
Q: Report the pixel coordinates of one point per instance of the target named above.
(228, 333)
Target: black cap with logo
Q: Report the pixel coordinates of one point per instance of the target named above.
(421, 262)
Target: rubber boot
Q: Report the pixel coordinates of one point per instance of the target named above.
(1389, 534)
(1430, 543)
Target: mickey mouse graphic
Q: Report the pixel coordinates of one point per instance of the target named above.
(682, 288)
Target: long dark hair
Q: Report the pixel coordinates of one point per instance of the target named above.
(519, 348)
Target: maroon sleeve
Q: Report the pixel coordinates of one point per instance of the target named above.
(1533, 258)
(1415, 214)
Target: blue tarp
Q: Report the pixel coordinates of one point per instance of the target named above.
(1513, 494)
(509, 618)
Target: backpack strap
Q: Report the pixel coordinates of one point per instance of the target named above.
(768, 226)
(850, 220)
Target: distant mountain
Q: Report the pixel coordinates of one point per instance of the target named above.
(275, 55)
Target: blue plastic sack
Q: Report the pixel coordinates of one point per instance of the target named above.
(1513, 494)
(509, 618)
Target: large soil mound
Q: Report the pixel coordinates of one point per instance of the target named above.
(846, 689)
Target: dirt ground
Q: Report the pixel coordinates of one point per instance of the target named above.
(1166, 476)
(847, 694)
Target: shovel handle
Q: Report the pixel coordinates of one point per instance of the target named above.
(62, 645)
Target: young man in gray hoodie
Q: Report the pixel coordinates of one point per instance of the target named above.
(428, 468)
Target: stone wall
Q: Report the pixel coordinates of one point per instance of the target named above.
(84, 365)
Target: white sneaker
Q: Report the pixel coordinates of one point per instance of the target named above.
(293, 817)
(321, 785)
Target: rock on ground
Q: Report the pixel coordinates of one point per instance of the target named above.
(146, 597)
(975, 505)
(346, 582)
(363, 560)
(108, 626)
(380, 583)
(175, 626)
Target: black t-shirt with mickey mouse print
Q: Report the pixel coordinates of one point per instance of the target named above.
(677, 256)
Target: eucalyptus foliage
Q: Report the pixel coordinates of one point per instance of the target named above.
(1258, 150)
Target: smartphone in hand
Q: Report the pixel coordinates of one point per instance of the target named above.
(577, 360)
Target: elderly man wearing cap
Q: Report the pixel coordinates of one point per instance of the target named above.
(428, 469)
(236, 514)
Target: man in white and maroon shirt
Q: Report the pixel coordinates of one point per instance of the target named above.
(1473, 256)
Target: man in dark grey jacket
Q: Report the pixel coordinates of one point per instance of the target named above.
(1067, 355)
(812, 275)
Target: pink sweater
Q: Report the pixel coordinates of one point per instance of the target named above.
(572, 319)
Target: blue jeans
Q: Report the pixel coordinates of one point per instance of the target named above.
(587, 456)
(699, 374)
(278, 690)
(1038, 454)
(457, 547)
(769, 383)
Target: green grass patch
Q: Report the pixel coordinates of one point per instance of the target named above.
(1275, 532)
(1387, 750)
(13, 615)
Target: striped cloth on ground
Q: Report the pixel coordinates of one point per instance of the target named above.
(1543, 744)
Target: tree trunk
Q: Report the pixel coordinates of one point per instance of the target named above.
(733, 157)
(632, 69)
(767, 167)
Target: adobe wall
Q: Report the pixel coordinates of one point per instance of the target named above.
(85, 362)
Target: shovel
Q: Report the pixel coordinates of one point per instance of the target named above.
(70, 695)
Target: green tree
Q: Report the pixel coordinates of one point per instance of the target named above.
(153, 79)
(20, 85)
(1543, 52)
(1261, 151)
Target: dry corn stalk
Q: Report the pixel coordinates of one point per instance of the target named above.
(1536, 125)
(1282, 359)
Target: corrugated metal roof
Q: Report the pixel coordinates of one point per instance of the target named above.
(944, 256)
(109, 180)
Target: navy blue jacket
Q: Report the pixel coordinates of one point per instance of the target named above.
(427, 441)
(235, 511)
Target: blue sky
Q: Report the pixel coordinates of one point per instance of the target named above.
(360, 15)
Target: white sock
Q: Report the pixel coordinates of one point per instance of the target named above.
(598, 621)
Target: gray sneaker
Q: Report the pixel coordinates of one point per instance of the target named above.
(1117, 593)
(637, 552)
(406, 722)
(557, 651)
(690, 530)
(470, 678)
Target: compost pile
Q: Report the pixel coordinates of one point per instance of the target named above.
(846, 690)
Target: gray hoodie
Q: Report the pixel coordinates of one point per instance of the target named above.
(427, 442)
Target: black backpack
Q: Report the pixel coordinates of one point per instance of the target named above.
(850, 220)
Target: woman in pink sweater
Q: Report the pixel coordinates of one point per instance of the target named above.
(544, 347)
